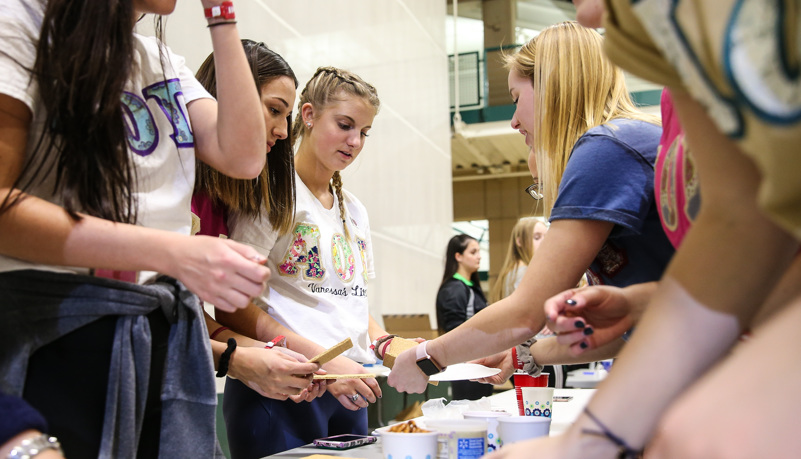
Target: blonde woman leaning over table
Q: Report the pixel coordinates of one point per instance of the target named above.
(682, 395)
(97, 163)
(595, 154)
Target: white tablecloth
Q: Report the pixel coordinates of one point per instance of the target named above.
(564, 413)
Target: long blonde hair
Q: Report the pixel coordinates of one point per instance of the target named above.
(521, 249)
(576, 88)
(326, 86)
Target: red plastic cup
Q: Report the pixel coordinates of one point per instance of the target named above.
(525, 380)
(518, 364)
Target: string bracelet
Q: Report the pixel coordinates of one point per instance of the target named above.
(372, 345)
(376, 346)
(225, 358)
(624, 451)
(375, 342)
(215, 24)
(217, 332)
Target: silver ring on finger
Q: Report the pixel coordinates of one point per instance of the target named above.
(354, 397)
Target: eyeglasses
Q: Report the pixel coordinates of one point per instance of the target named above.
(533, 190)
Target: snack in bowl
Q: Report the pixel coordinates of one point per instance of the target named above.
(407, 440)
(407, 427)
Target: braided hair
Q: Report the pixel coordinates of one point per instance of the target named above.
(326, 86)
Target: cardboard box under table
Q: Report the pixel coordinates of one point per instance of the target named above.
(409, 325)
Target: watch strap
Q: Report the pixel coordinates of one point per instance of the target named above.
(421, 352)
(421, 355)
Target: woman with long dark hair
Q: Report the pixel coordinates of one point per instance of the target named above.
(275, 372)
(459, 297)
(99, 131)
(272, 192)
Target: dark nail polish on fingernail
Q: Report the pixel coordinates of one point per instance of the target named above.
(579, 324)
(583, 345)
(588, 331)
(571, 302)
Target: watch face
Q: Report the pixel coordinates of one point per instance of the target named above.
(428, 367)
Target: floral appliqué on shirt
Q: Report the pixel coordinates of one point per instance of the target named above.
(303, 251)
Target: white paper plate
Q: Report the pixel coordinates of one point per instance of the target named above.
(463, 371)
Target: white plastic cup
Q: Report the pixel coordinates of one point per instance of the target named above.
(403, 445)
(537, 401)
(491, 418)
(460, 438)
(513, 429)
(524, 381)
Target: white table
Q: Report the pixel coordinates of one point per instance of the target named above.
(564, 413)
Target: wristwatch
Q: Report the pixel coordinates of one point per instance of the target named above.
(31, 447)
(424, 361)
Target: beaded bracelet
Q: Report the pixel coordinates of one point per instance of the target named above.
(31, 447)
(624, 451)
(225, 358)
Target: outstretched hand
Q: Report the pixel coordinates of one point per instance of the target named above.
(406, 375)
(502, 360)
(590, 317)
(222, 272)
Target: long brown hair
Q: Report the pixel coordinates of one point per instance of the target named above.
(84, 58)
(576, 88)
(274, 189)
(325, 86)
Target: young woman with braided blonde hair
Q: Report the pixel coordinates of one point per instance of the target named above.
(320, 271)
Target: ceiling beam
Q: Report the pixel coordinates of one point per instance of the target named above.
(475, 156)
